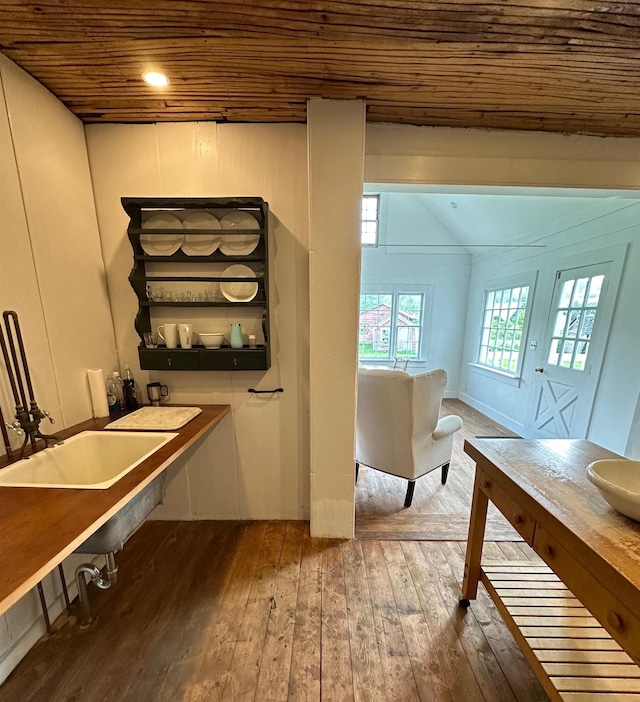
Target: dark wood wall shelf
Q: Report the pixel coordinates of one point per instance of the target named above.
(190, 269)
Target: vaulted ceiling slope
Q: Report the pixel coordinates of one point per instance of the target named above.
(552, 65)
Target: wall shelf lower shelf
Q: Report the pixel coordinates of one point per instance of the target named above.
(200, 358)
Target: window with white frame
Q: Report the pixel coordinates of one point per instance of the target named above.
(503, 328)
(391, 325)
(370, 219)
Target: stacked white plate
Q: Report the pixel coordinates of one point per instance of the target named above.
(239, 291)
(161, 244)
(239, 244)
(201, 244)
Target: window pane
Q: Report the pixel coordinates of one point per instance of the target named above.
(561, 321)
(554, 352)
(574, 319)
(579, 292)
(565, 295)
(569, 347)
(408, 320)
(594, 290)
(369, 227)
(567, 354)
(587, 324)
(580, 360)
(504, 317)
(374, 325)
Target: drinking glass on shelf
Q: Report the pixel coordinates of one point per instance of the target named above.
(149, 340)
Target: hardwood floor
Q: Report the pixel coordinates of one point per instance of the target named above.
(439, 512)
(209, 611)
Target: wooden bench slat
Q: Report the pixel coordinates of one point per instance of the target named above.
(555, 644)
(600, 697)
(563, 684)
(550, 612)
(552, 621)
(542, 602)
(564, 632)
(582, 656)
(593, 670)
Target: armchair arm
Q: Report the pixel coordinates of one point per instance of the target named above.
(446, 426)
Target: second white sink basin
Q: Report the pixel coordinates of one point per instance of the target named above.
(91, 459)
(618, 480)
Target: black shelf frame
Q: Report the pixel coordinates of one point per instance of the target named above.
(198, 357)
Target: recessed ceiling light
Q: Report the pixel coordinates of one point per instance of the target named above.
(158, 80)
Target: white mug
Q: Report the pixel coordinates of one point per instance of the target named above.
(169, 334)
(185, 335)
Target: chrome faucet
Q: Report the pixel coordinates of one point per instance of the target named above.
(28, 416)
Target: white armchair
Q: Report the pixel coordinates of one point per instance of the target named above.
(397, 426)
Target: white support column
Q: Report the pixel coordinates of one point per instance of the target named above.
(335, 131)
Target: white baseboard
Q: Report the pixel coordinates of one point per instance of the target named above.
(503, 419)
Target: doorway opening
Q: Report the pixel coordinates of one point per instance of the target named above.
(454, 245)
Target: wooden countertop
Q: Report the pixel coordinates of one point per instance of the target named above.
(550, 477)
(40, 527)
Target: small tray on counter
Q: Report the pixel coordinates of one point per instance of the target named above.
(155, 419)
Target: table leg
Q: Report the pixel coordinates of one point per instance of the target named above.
(477, 523)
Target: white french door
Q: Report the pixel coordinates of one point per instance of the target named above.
(572, 351)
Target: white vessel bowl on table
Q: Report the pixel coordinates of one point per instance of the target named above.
(618, 480)
(91, 459)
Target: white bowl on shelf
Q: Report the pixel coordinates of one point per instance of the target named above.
(212, 341)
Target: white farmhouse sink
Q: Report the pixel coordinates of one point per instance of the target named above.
(618, 480)
(91, 459)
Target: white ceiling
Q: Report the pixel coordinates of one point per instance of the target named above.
(479, 217)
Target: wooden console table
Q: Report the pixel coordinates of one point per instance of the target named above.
(577, 618)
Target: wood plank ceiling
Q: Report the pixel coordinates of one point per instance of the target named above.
(552, 65)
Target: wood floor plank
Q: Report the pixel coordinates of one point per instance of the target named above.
(275, 668)
(221, 638)
(451, 652)
(394, 657)
(242, 679)
(421, 647)
(368, 681)
(195, 602)
(112, 681)
(336, 679)
(193, 620)
(304, 676)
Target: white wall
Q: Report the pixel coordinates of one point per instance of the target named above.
(401, 259)
(270, 476)
(509, 401)
(51, 273)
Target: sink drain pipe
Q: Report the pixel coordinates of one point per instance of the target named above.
(95, 575)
